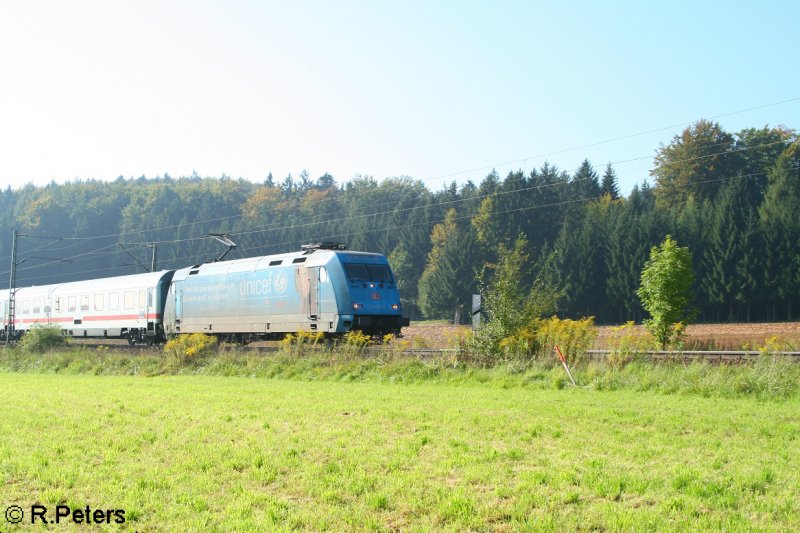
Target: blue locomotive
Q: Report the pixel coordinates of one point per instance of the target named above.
(322, 288)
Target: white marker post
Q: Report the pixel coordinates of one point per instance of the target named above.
(564, 362)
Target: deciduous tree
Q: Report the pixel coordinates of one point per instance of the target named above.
(666, 290)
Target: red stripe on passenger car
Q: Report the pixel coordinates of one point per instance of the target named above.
(152, 316)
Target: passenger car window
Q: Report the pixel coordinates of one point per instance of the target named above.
(71, 301)
(84, 302)
(129, 299)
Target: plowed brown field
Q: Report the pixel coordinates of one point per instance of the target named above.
(733, 336)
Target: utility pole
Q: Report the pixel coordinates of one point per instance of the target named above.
(12, 289)
(12, 282)
(154, 246)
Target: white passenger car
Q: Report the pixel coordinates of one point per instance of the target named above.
(130, 307)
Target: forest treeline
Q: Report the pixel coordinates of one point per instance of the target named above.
(732, 198)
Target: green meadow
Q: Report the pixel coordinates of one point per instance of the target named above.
(200, 452)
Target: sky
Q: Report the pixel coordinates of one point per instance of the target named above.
(435, 90)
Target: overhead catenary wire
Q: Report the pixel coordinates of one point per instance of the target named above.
(278, 226)
(519, 209)
(429, 223)
(615, 139)
(474, 169)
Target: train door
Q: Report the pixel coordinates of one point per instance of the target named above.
(149, 311)
(313, 292)
(178, 304)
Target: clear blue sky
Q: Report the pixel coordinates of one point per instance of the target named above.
(98, 89)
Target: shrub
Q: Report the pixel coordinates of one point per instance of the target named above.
(626, 345)
(295, 344)
(771, 346)
(354, 343)
(419, 343)
(512, 305)
(185, 348)
(41, 338)
(522, 344)
(483, 347)
(574, 337)
(357, 338)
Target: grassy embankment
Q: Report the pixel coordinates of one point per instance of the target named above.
(233, 453)
(768, 378)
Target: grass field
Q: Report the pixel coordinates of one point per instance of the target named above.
(234, 453)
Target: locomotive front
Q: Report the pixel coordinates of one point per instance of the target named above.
(369, 300)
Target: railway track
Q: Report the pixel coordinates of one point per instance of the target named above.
(712, 356)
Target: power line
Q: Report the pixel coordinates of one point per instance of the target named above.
(615, 139)
(424, 223)
(277, 226)
(520, 209)
(475, 169)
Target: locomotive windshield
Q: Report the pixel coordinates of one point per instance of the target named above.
(363, 272)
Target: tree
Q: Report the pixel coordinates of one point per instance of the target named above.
(504, 296)
(634, 227)
(731, 230)
(403, 269)
(511, 301)
(582, 258)
(666, 290)
(609, 184)
(585, 182)
(693, 164)
(780, 220)
(760, 149)
(449, 276)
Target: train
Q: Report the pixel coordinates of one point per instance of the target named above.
(322, 288)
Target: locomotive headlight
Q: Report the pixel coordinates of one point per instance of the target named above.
(358, 306)
(395, 307)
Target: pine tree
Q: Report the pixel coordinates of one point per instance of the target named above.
(634, 227)
(609, 184)
(585, 182)
(449, 277)
(780, 222)
(728, 272)
(581, 259)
